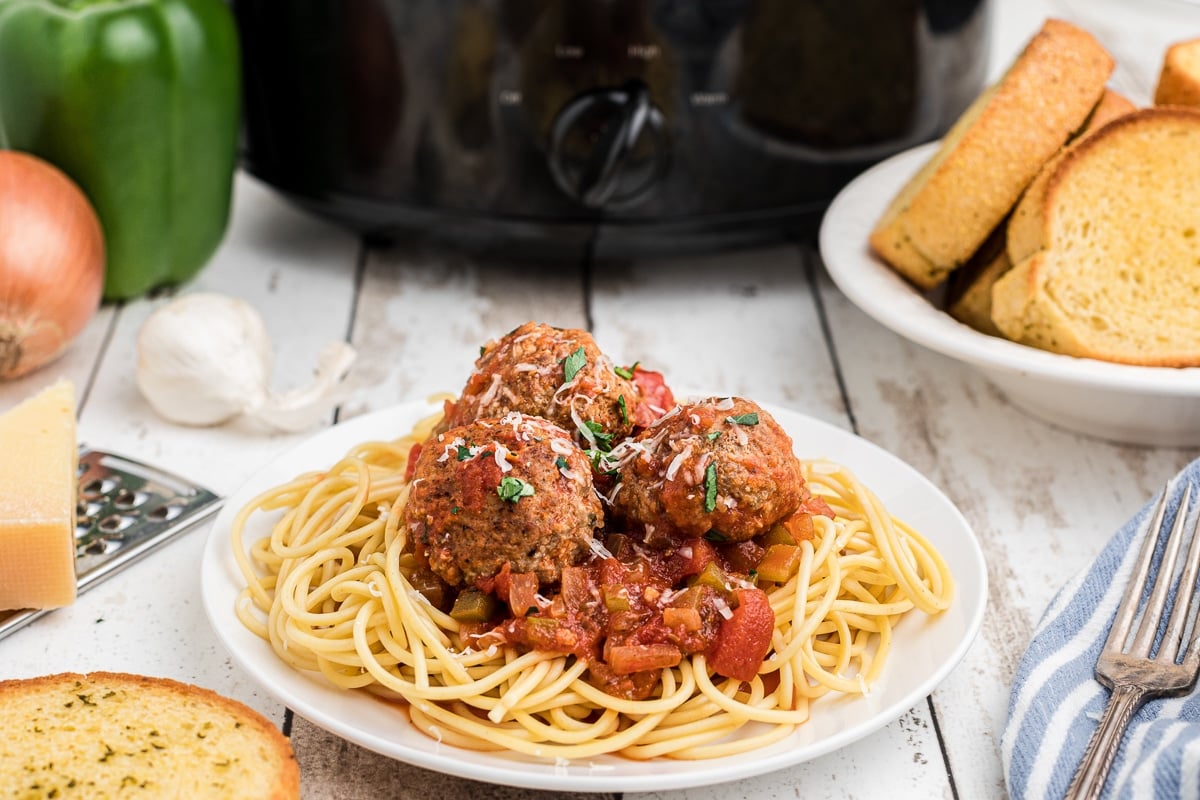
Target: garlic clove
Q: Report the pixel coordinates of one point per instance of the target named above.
(203, 359)
(302, 408)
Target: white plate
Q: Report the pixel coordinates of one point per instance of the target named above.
(1141, 405)
(924, 649)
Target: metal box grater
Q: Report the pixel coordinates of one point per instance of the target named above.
(124, 509)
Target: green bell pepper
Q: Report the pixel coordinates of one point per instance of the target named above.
(139, 102)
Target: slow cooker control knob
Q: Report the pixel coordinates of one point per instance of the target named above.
(609, 146)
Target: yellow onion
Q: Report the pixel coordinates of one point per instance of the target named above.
(51, 262)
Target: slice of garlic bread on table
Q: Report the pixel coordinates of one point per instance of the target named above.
(947, 210)
(111, 734)
(1116, 273)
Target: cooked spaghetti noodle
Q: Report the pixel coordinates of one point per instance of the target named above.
(330, 589)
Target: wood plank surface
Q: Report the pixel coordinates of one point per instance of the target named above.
(767, 324)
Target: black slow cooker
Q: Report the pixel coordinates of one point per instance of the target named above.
(654, 126)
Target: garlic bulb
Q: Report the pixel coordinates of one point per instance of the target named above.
(205, 358)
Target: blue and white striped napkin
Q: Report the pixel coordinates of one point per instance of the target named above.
(1056, 702)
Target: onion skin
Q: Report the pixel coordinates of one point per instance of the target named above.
(51, 262)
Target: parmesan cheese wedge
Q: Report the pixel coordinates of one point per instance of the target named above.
(38, 462)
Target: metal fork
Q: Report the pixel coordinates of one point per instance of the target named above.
(1127, 667)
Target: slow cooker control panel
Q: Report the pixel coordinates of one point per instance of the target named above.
(609, 147)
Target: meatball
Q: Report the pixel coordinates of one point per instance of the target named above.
(553, 373)
(512, 490)
(722, 465)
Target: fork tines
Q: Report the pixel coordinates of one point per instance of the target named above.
(1149, 615)
(1128, 668)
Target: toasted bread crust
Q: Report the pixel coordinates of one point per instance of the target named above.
(943, 215)
(1179, 78)
(74, 735)
(1024, 233)
(1118, 247)
(971, 286)
(969, 297)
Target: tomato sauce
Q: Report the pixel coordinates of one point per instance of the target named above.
(634, 610)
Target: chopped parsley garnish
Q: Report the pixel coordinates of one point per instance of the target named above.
(455, 509)
(600, 463)
(710, 488)
(744, 419)
(711, 435)
(573, 363)
(603, 440)
(561, 462)
(464, 452)
(621, 404)
(715, 536)
(627, 372)
(513, 489)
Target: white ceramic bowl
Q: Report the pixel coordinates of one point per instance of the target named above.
(1139, 405)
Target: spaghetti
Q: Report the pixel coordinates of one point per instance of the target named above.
(330, 588)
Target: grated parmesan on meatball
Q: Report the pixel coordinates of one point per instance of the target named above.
(513, 489)
(721, 467)
(559, 374)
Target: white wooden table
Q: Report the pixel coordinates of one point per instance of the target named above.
(767, 324)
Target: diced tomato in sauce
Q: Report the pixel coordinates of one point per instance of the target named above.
(522, 593)
(814, 504)
(498, 583)
(411, 465)
(611, 613)
(800, 526)
(691, 558)
(745, 637)
(634, 685)
(627, 658)
(657, 399)
(742, 557)
(580, 620)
